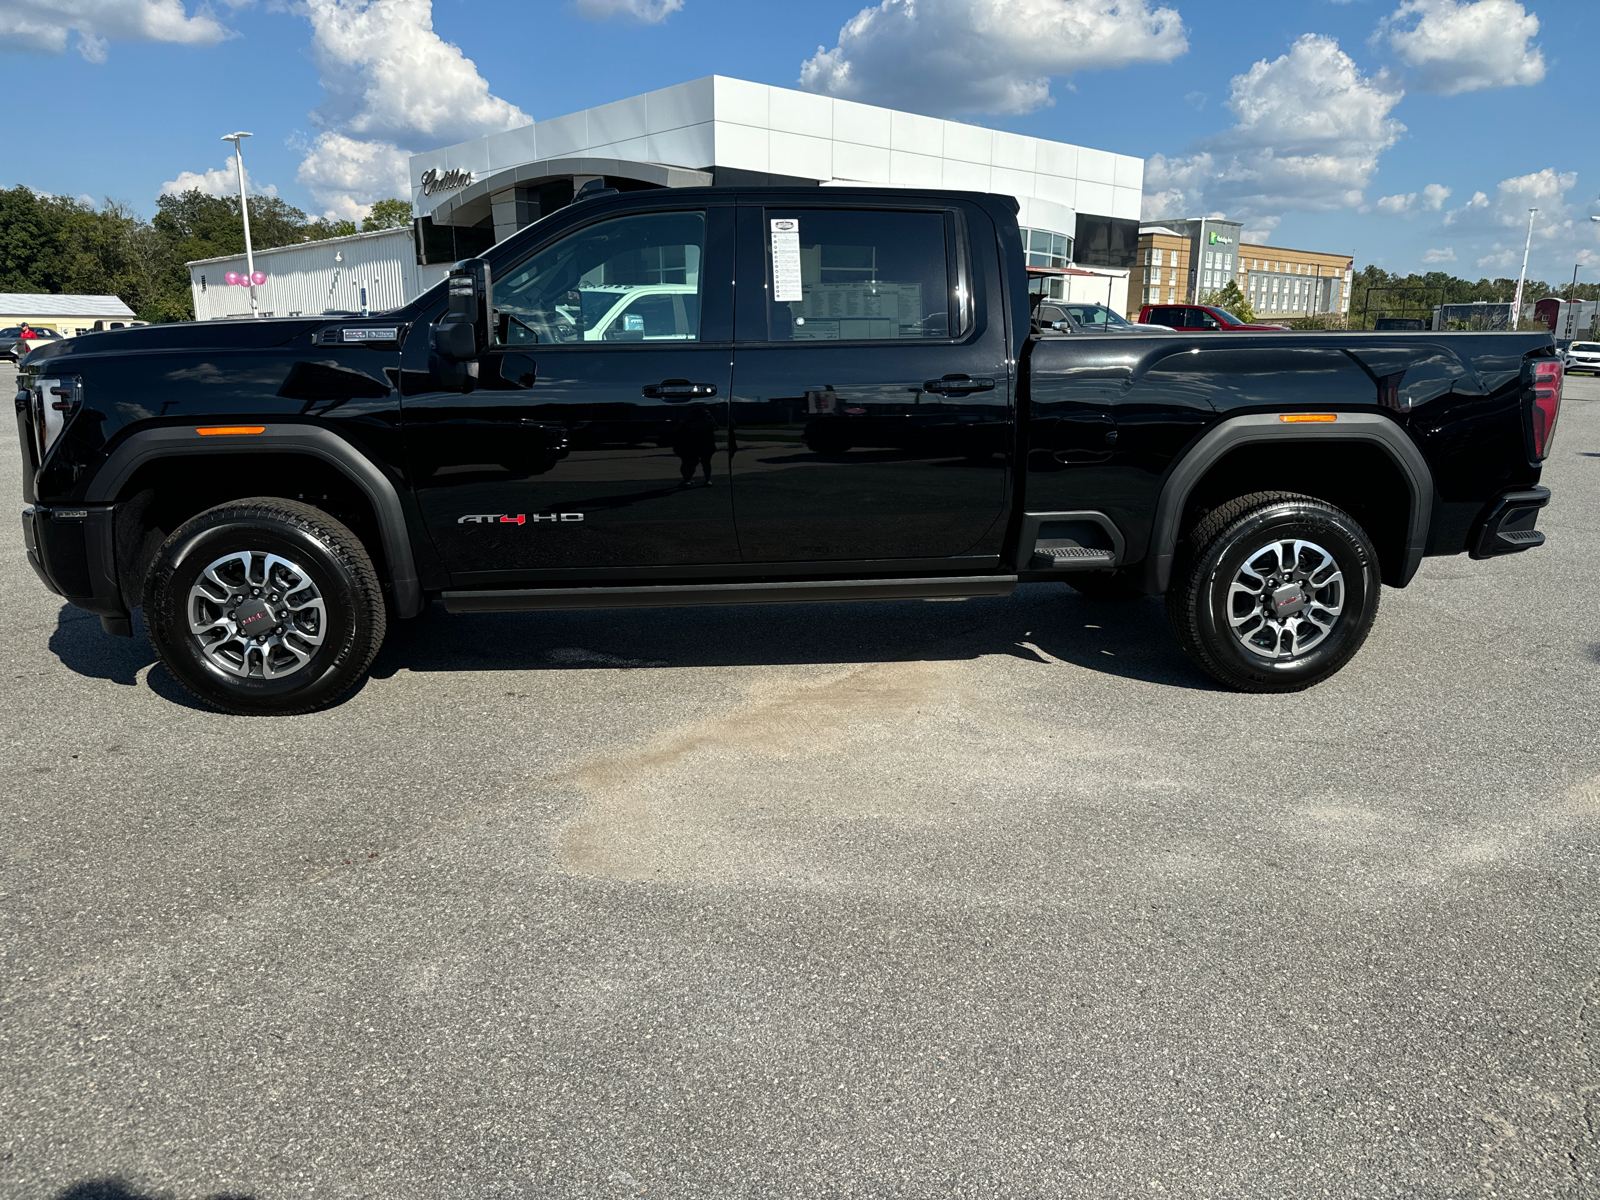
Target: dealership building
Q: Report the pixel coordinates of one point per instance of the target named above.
(1078, 207)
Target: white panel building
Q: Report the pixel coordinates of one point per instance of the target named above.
(1079, 207)
(317, 277)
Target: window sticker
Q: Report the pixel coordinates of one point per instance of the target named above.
(786, 261)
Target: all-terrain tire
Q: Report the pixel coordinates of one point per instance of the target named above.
(1268, 638)
(265, 607)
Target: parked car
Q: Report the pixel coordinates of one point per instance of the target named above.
(1201, 318)
(1089, 318)
(860, 372)
(29, 336)
(1583, 356)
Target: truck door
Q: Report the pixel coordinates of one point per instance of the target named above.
(594, 434)
(872, 411)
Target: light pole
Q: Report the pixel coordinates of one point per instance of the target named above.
(244, 211)
(1594, 322)
(1516, 304)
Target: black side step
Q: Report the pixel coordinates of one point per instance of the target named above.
(957, 587)
(1073, 558)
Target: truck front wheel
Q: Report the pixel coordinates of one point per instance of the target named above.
(1274, 592)
(265, 607)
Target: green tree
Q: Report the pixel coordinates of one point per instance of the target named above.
(322, 228)
(1230, 298)
(31, 224)
(387, 214)
(55, 244)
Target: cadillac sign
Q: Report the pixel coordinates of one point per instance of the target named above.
(433, 182)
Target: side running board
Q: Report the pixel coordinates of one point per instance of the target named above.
(958, 587)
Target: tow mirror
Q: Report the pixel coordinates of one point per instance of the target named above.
(462, 334)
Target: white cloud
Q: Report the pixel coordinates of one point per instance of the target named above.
(1310, 129)
(46, 25)
(348, 175)
(392, 83)
(995, 56)
(649, 12)
(1444, 254)
(1508, 209)
(1562, 232)
(224, 181)
(1465, 47)
(1262, 234)
(1410, 203)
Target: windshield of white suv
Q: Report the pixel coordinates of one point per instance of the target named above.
(1586, 347)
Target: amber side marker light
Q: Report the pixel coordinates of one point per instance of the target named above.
(224, 430)
(1296, 418)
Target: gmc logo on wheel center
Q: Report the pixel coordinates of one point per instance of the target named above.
(516, 518)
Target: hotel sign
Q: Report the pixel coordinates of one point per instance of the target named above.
(434, 182)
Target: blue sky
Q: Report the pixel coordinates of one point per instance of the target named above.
(1311, 154)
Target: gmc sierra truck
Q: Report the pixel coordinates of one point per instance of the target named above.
(728, 396)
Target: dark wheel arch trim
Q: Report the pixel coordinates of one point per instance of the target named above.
(151, 444)
(1266, 427)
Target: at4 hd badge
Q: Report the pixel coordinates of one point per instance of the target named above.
(516, 518)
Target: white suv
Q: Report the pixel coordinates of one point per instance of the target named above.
(1583, 356)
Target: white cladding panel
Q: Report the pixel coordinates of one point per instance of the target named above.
(305, 280)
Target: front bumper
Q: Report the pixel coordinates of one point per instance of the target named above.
(1506, 527)
(73, 551)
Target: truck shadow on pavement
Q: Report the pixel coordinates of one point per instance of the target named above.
(86, 649)
(115, 1188)
(1041, 623)
(1047, 624)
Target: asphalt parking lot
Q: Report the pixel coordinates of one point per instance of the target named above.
(992, 898)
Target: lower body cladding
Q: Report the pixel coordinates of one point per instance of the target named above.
(73, 551)
(1507, 527)
(959, 587)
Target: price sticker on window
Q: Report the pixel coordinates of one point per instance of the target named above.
(786, 261)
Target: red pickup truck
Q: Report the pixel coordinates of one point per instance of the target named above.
(1200, 318)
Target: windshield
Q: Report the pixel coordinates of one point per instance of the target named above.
(1091, 315)
(1586, 347)
(1227, 316)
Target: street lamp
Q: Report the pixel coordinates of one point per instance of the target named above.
(244, 211)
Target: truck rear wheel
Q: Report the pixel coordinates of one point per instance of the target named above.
(1274, 592)
(265, 607)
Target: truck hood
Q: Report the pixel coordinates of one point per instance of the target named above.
(181, 335)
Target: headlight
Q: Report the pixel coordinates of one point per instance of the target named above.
(54, 402)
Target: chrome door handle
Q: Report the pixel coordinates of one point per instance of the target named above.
(958, 383)
(676, 391)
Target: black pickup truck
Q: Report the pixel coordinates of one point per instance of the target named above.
(726, 396)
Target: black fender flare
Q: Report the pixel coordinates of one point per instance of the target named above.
(148, 445)
(1270, 427)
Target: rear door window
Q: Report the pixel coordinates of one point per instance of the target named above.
(852, 275)
(1166, 316)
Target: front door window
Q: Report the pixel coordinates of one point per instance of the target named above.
(632, 279)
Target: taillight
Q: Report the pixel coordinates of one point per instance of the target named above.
(1545, 406)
